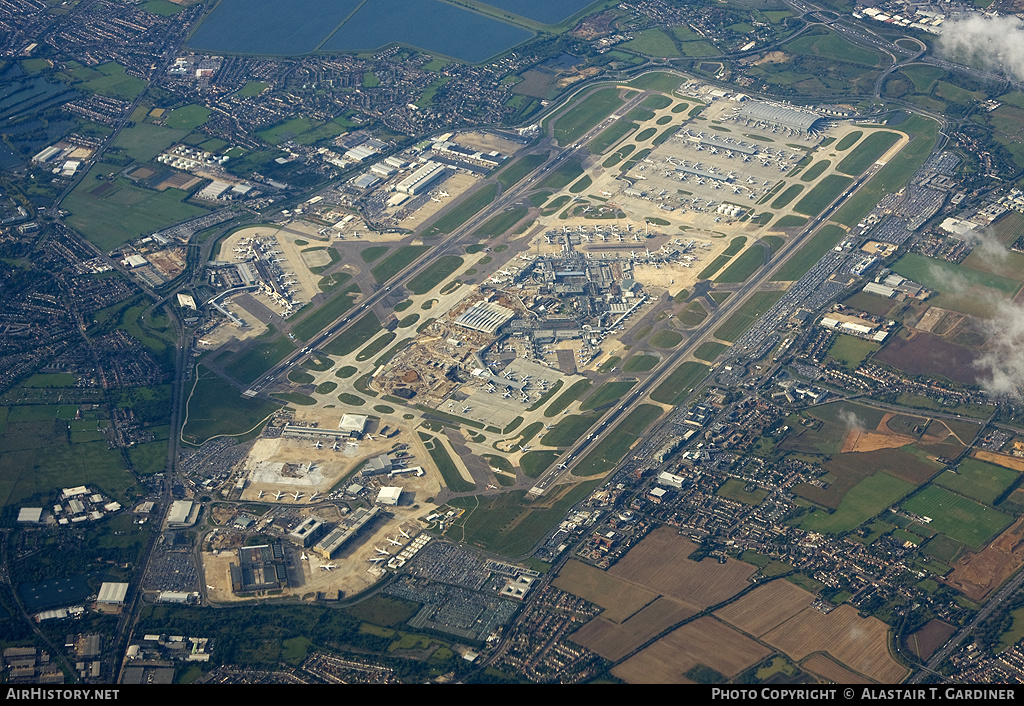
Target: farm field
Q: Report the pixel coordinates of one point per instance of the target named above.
(660, 562)
(614, 640)
(960, 288)
(704, 642)
(977, 575)
(859, 504)
(766, 607)
(859, 643)
(927, 354)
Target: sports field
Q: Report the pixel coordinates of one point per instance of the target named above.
(957, 517)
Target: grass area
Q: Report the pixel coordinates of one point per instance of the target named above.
(188, 117)
(500, 223)
(251, 89)
(865, 500)
(710, 350)
(612, 134)
(810, 252)
(815, 170)
(984, 482)
(512, 523)
(611, 450)
(438, 271)
(743, 266)
(565, 399)
(735, 489)
(849, 140)
(786, 196)
(830, 45)
(851, 351)
(517, 170)
(823, 193)
(640, 363)
(577, 121)
(867, 153)
(110, 213)
(452, 478)
(463, 211)
(397, 261)
(261, 355)
(680, 383)
(372, 253)
(534, 463)
(960, 288)
(607, 394)
(357, 334)
(957, 517)
(375, 346)
(737, 324)
(325, 314)
(216, 408)
(666, 338)
(110, 80)
(563, 175)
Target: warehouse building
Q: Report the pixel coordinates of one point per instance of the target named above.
(421, 179)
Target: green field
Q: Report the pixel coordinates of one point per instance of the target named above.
(463, 212)
(957, 517)
(326, 313)
(216, 408)
(110, 214)
(851, 351)
(576, 122)
(563, 175)
(567, 398)
(710, 350)
(831, 46)
(607, 394)
(786, 196)
(436, 273)
(737, 324)
(188, 117)
(261, 355)
(397, 261)
(862, 502)
(960, 288)
(452, 478)
(640, 363)
(823, 193)
(815, 170)
(809, 253)
(743, 266)
(735, 489)
(849, 140)
(612, 134)
(110, 80)
(680, 383)
(514, 173)
(512, 524)
(666, 338)
(607, 454)
(984, 482)
(867, 153)
(355, 336)
(502, 222)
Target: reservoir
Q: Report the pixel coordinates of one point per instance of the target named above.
(295, 27)
(427, 24)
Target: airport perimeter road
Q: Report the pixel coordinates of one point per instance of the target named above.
(607, 423)
(441, 248)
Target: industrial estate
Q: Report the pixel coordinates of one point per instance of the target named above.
(598, 342)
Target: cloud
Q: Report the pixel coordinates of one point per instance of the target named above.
(996, 43)
(1003, 361)
(851, 421)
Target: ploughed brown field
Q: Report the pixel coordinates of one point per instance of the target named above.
(977, 575)
(766, 607)
(704, 641)
(613, 641)
(859, 643)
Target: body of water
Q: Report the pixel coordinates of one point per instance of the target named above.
(430, 25)
(547, 11)
(291, 27)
